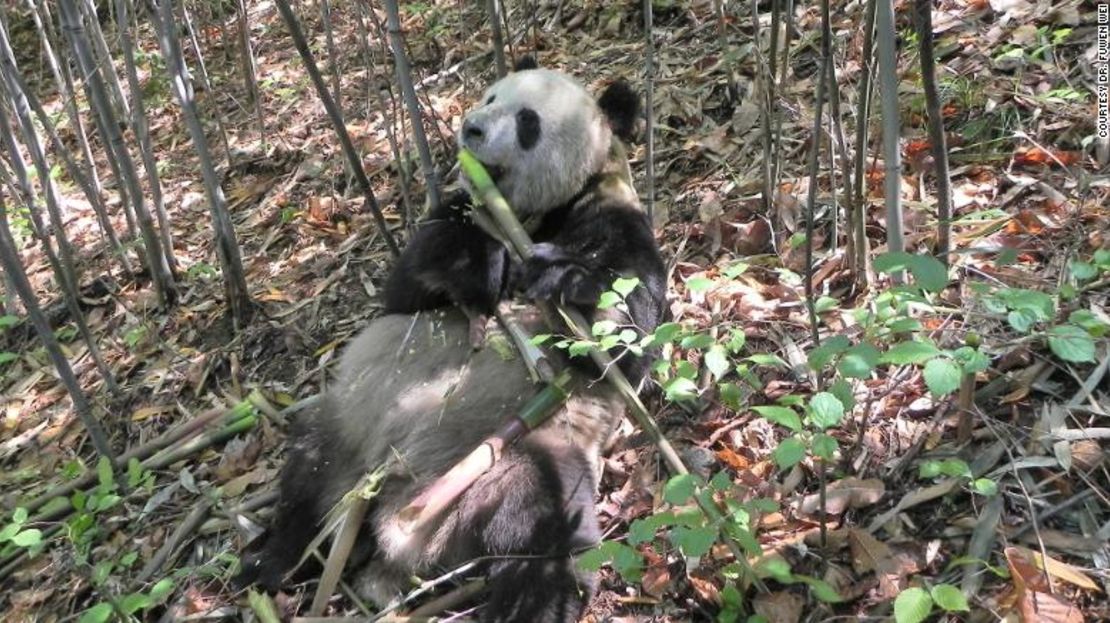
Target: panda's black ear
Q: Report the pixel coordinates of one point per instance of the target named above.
(526, 62)
(621, 106)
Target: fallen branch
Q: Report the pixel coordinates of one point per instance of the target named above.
(187, 527)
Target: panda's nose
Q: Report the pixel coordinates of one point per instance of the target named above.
(471, 131)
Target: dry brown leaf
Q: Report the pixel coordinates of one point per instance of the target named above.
(1038, 607)
(656, 581)
(1056, 568)
(779, 607)
(707, 591)
(844, 494)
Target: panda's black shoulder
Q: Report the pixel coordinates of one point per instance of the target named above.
(621, 106)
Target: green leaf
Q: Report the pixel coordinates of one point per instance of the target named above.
(825, 446)
(825, 411)
(1022, 320)
(603, 327)
(842, 389)
(821, 589)
(97, 614)
(7, 356)
(644, 529)
(686, 370)
(1086, 319)
(104, 473)
(737, 339)
(905, 353)
(731, 395)
(628, 336)
(580, 348)
(985, 487)
(20, 515)
(774, 567)
(694, 542)
(8, 531)
(716, 361)
(699, 341)
(625, 286)
(789, 452)
(912, 605)
(1082, 271)
(679, 489)
(929, 273)
(767, 359)
(1071, 343)
(665, 333)
(892, 261)
(608, 299)
(949, 598)
(28, 538)
(783, 416)
(8, 320)
(609, 341)
(820, 357)
(680, 389)
(698, 284)
(735, 269)
(134, 602)
(107, 501)
(971, 359)
(824, 304)
(903, 325)
(956, 468)
(858, 361)
(941, 376)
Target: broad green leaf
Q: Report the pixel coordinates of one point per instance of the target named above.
(903, 325)
(1022, 320)
(644, 529)
(842, 389)
(928, 469)
(736, 341)
(686, 370)
(783, 416)
(20, 515)
(971, 359)
(699, 284)
(627, 336)
(28, 538)
(1091, 323)
(7, 356)
(914, 352)
(928, 272)
(694, 542)
(625, 286)
(985, 487)
(161, 589)
(825, 446)
(665, 333)
(7, 320)
(735, 269)
(774, 567)
(789, 452)
(858, 361)
(104, 473)
(821, 589)
(679, 489)
(820, 357)
(912, 605)
(608, 299)
(824, 304)
(731, 395)
(1071, 343)
(603, 327)
(99, 613)
(892, 261)
(134, 602)
(8, 531)
(716, 361)
(942, 376)
(767, 359)
(825, 411)
(1083, 271)
(955, 467)
(680, 389)
(609, 341)
(699, 341)
(581, 348)
(949, 598)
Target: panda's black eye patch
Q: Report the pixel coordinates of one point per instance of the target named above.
(489, 100)
(527, 128)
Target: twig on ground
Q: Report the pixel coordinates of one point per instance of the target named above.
(186, 528)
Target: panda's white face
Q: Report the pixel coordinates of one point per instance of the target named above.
(541, 135)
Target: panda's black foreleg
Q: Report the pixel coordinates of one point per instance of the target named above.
(535, 509)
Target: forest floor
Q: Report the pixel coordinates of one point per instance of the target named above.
(1016, 513)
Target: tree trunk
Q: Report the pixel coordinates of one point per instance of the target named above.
(103, 55)
(246, 64)
(13, 269)
(408, 93)
(142, 130)
(892, 123)
(160, 274)
(202, 71)
(227, 247)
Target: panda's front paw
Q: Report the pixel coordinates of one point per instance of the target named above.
(553, 274)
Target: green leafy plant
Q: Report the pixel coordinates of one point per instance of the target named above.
(914, 605)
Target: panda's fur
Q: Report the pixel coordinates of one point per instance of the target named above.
(556, 154)
(412, 392)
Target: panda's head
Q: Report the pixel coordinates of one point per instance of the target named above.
(542, 135)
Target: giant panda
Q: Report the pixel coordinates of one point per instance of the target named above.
(412, 391)
(557, 156)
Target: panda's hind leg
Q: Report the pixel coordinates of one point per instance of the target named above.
(535, 509)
